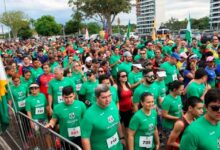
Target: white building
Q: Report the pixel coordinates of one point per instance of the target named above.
(214, 18)
(147, 12)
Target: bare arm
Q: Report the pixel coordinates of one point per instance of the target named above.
(86, 144)
(135, 107)
(50, 102)
(157, 139)
(52, 123)
(178, 127)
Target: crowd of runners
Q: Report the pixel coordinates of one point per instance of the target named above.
(114, 94)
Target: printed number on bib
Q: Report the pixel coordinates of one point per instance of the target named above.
(175, 77)
(74, 132)
(21, 104)
(60, 99)
(113, 140)
(146, 141)
(39, 111)
(78, 87)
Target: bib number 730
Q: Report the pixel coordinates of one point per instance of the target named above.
(146, 141)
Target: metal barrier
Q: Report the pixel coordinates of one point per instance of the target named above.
(37, 138)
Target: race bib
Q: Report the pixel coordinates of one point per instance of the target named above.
(39, 111)
(112, 140)
(175, 77)
(60, 99)
(78, 87)
(146, 141)
(74, 132)
(21, 104)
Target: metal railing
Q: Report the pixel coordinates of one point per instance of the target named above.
(36, 137)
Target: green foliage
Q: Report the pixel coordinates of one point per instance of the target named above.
(47, 26)
(93, 28)
(102, 9)
(71, 27)
(174, 24)
(25, 32)
(15, 20)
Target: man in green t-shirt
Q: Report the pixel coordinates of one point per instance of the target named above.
(126, 64)
(69, 115)
(135, 77)
(36, 71)
(148, 86)
(55, 88)
(171, 70)
(204, 133)
(104, 131)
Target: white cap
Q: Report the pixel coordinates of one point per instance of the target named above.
(138, 66)
(161, 74)
(127, 54)
(88, 59)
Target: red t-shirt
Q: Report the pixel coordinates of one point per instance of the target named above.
(43, 82)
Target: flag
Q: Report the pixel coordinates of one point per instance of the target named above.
(87, 34)
(106, 30)
(128, 30)
(154, 31)
(4, 118)
(188, 31)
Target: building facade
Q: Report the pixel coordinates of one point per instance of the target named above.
(214, 18)
(149, 11)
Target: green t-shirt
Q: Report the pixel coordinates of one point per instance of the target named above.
(26, 82)
(113, 59)
(19, 94)
(167, 49)
(150, 54)
(37, 106)
(134, 77)
(35, 73)
(77, 79)
(103, 130)
(66, 60)
(88, 89)
(174, 108)
(171, 72)
(153, 89)
(138, 56)
(201, 135)
(195, 89)
(196, 51)
(55, 89)
(125, 66)
(144, 126)
(114, 93)
(162, 88)
(53, 66)
(69, 117)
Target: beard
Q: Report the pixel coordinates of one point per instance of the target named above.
(149, 81)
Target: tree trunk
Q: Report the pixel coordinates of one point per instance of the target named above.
(109, 22)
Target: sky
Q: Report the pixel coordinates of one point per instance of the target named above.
(62, 12)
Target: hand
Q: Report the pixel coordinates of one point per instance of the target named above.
(157, 147)
(50, 111)
(48, 125)
(123, 142)
(32, 125)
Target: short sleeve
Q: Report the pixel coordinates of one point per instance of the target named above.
(86, 127)
(166, 104)
(50, 90)
(83, 89)
(27, 105)
(188, 141)
(134, 123)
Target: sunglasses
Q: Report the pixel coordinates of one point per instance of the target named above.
(152, 77)
(32, 88)
(123, 76)
(89, 75)
(215, 108)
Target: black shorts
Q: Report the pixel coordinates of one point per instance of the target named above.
(126, 117)
(76, 141)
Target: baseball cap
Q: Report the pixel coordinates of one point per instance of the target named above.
(175, 55)
(89, 72)
(149, 44)
(127, 54)
(210, 58)
(161, 74)
(170, 42)
(193, 57)
(88, 59)
(34, 85)
(183, 55)
(138, 66)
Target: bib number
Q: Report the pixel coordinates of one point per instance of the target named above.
(146, 141)
(39, 111)
(113, 140)
(175, 77)
(60, 99)
(21, 104)
(78, 87)
(74, 132)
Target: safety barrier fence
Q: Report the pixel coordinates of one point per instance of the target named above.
(29, 134)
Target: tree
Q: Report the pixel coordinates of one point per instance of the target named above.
(71, 27)
(15, 20)
(105, 10)
(25, 32)
(93, 28)
(47, 26)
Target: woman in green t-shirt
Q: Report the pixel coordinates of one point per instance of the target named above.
(143, 133)
(172, 107)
